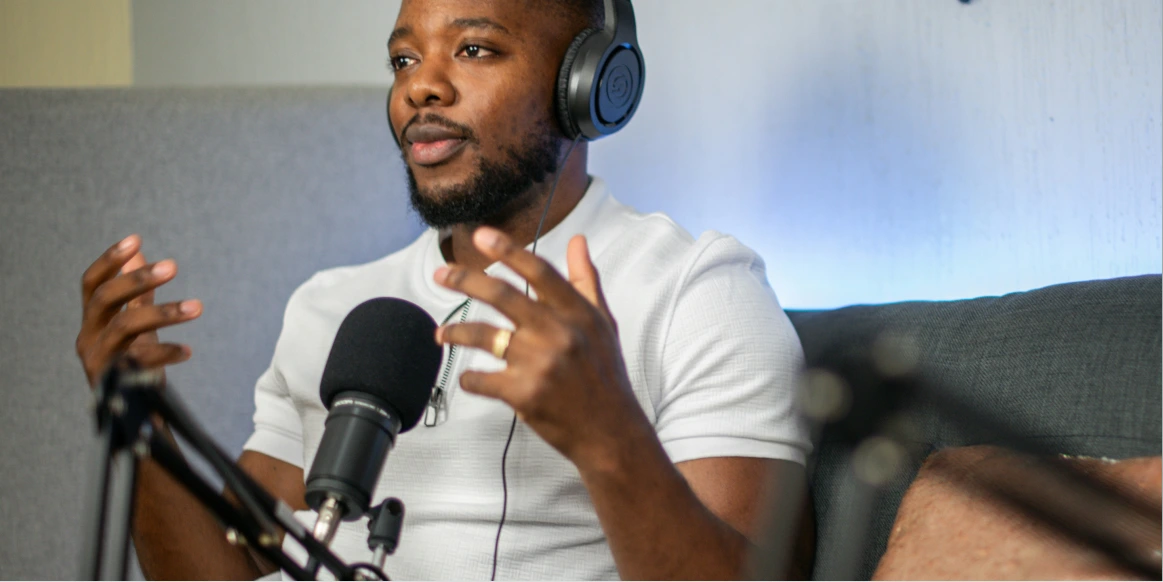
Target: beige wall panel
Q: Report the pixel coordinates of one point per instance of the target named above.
(65, 43)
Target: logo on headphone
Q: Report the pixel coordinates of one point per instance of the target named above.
(620, 87)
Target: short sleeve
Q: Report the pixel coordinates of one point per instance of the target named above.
(730, 362)
(278, 430)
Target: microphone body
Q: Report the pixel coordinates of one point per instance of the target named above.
(359, 432)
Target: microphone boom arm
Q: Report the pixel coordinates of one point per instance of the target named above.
(125, 400)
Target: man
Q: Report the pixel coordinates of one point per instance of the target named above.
(631, 424)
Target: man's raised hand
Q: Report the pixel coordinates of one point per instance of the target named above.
(119, 315)
(565, 375)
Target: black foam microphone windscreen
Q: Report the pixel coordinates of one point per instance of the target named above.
(386, 347)
(376, 384)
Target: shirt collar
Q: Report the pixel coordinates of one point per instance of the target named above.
(583, 219)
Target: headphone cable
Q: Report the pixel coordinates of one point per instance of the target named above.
(513, 423)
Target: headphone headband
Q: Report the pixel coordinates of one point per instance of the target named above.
(620, 22)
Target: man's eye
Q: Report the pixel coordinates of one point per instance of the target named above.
(399, 62)
(476, 51)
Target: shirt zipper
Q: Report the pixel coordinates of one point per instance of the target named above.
(438, 400)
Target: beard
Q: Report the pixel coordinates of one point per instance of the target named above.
(498, 191)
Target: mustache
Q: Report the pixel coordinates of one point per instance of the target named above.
(434, 119)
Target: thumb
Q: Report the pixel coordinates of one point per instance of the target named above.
(136, 262)
(583, 275)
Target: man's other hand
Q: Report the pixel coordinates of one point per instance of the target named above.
(565, 376)
(119, 315)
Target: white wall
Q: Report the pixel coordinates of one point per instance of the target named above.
(870, 151)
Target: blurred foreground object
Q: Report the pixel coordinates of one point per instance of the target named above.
(1075, 368)
(950, 526)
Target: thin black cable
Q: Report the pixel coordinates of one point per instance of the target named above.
(505, 501)
(549, 201)
(513, 423)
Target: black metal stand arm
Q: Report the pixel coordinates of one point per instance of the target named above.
(126, 399)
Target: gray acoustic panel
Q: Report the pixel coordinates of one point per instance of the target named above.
(250, 190)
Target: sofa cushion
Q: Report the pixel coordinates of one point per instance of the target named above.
(1076, 366)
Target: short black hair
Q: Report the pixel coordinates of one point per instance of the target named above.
(586, 13)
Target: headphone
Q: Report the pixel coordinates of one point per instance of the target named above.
(600, 82)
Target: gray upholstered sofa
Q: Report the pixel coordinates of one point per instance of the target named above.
(1077, 366)
(252, 190)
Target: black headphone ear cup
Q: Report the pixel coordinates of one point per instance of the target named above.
(569, 125)
(388, 111)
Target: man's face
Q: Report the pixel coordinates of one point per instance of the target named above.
(472, 104)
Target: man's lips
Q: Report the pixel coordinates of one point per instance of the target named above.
(432, 144)
(435, 152)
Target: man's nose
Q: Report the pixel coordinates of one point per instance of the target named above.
(429, 85)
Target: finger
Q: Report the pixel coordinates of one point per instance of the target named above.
(481, 336)
(583, 275)
(551, 287)
(127, 325)
(136, 262)
(497, 385)
(511, 302)
(159, 355)
(108, 299)
(107, 265)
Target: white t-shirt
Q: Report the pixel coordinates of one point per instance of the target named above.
(711, 355)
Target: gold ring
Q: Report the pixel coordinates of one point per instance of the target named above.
(501, 343)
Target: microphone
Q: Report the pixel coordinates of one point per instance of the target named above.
(376, 383)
